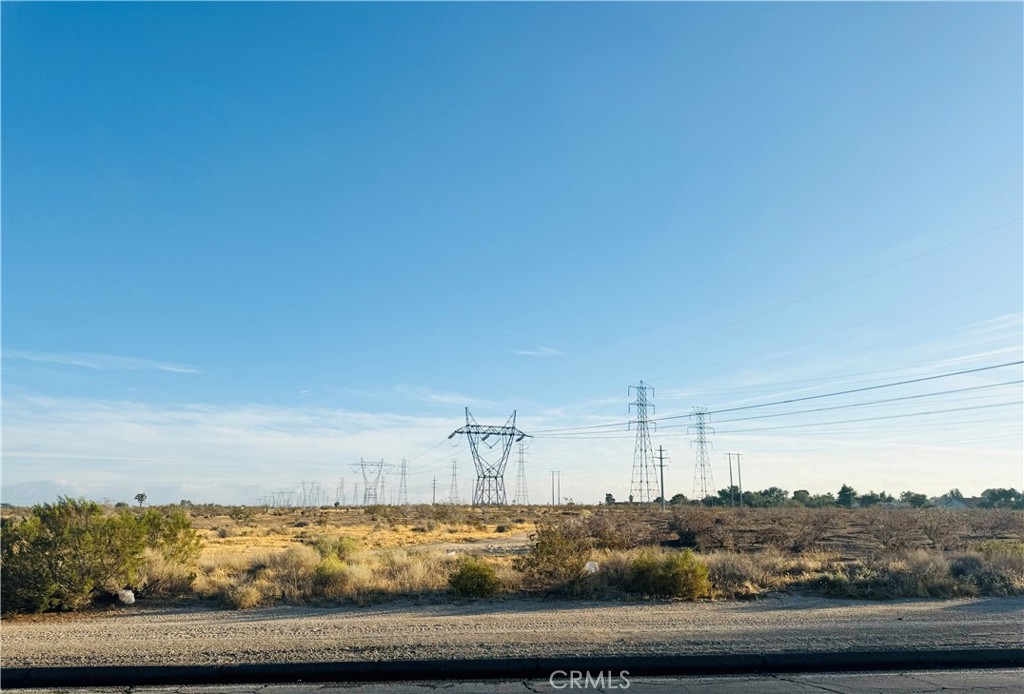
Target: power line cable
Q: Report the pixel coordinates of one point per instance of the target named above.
(794, 400)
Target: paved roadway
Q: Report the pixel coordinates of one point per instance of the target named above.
(999, 681)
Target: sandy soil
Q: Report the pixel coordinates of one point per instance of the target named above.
(146, 635)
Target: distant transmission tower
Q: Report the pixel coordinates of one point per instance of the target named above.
(403, 494)
(373, 478)
(522, 496)
(703, 481)
(453, 491)
(490, 462)
(644, 481)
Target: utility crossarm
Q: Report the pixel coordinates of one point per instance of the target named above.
(490, 474)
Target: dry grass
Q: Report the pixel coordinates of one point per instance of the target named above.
(162, 578)
(266, 556)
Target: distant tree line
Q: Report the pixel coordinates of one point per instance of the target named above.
(847, 496)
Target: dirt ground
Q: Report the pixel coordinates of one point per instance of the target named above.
(165, 635)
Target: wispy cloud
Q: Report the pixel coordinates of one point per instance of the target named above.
(101, 361)
(440, 397)
(541, 352)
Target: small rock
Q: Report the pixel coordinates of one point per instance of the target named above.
(126, 597)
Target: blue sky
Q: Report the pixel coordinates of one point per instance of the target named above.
(246, 245)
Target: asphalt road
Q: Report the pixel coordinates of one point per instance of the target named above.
(1002, 681)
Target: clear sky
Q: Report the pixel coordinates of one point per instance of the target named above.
(247, 245)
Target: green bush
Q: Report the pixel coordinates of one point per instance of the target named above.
(65, 554)
(557, 558)
(242, 514)
(340, 547)
(676, 575)
(474, 578)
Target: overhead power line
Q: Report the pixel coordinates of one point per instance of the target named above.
(610, 427)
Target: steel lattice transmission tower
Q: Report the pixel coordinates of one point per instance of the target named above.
(453, 490)
(522, 495)
(491, 458)
(403, 494)
(373, 480)
(645, 482)
(703, 481)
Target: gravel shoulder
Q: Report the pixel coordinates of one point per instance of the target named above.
(189, 635)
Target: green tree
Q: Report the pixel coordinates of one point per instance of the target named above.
(1001, 498)
(141, 498)
(729, 495)
(847, 496)
(802, 497)
(914, 499)
(872, 498)
(609, 500)
(822, 500)
(677, 500)
(775, 496)
(754, 500)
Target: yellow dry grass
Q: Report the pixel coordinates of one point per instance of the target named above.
(275, 530)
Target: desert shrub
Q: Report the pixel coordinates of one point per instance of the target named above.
(502, 529)
(338, 546)
(915, 574)
(940, 526)
(675, 574)
(927, 575)
(474, 578)
(287, 575)
(966, 565)
(998, 523)
(607, 530)
(1001, 549)
(509, 577)
(773, 536)
(1004, 570)
(893, 529)
(450, 514)
(331, 578)
(403, 572)
(242, 514)
(160, 577)
(733, 575)
(243, 597)
(807, 529)
(65, 554)
(172, 535)
(701, 527)
(557, 557)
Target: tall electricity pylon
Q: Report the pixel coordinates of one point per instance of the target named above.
(644, 482)
(522, 495)
(703, 481)
(403, 494)
(373, 480)
(453, 491)
(490, 462)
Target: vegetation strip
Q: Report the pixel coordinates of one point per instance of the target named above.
(493, 668)
(76, 554)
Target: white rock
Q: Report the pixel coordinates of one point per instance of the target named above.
(126, 597)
